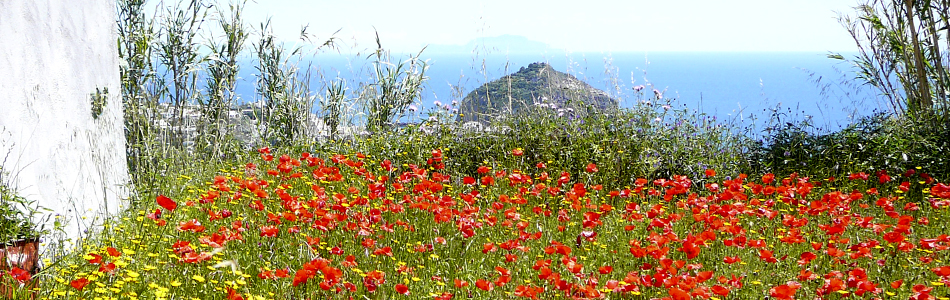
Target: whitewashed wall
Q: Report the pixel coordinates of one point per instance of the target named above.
(53, 55)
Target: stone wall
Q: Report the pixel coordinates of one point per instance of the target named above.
(56, 56)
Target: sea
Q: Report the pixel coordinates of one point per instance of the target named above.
(747, 88)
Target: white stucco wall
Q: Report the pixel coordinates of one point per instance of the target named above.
(53, 56)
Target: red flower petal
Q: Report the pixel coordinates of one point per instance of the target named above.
(166, 202)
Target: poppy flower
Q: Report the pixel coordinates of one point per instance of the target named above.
(301, 276)
(785, 291)
(591, 168)
(191, 225)
(484, 285)
(893, 237)
(269, 231)
(80, 283)
(528, 291)
(95, 258)
(678, 294)
(107, 268)
(402, 289)
(281, 273)
(720, 290)
(444, 296)
(690, 249)
(806, 257)
(373, 279)
(20, 275)
(767, 256)
(233, 295)
(387, 251)
(897, 284)
(166, 203)
(942, 271)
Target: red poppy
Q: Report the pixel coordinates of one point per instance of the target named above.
(942, 271)
(720, 290)
(387, 251)
(96, 259)
(349, 261)
(301, 276)
(107, 268)
(373, 279)
(678, 294)
(336, 251)
(591, 168)
(191, 225)
(444, 296)
(785, 291)
(20, 275)
(484, 285)
(269, 231)
(402, 289)
(194, 257)
(166, 202)
(893, 237)
(690, 249)
(233, 295)
(80, 283)
(767, 256)
(806, 257)
(528, 291)
(897, 284)
(113, 252)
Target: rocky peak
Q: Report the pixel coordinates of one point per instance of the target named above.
(536, 86)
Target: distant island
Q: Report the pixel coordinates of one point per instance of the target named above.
(536, 86)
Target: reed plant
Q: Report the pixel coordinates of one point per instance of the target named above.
(903, 54)
(334, 106)
(397, 85)
(215, 130)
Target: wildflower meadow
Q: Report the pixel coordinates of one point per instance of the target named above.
(355, 226)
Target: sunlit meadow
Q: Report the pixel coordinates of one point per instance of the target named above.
(349, 225)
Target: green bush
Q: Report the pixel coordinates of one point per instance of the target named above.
(880, 142)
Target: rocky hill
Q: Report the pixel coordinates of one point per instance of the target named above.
(537, 86)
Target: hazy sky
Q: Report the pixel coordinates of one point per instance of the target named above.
(580, 26)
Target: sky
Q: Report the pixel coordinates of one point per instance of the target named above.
(594, 26)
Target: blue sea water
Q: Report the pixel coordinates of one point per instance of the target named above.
(742, 87)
